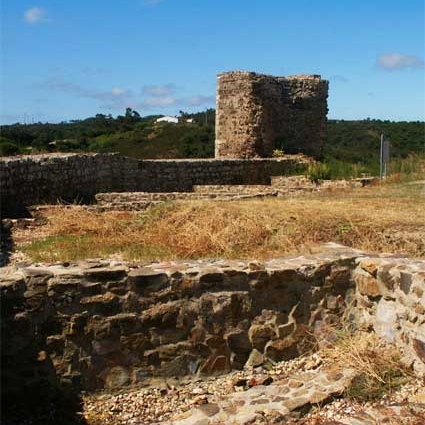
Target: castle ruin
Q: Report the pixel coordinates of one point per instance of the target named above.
(257, 113)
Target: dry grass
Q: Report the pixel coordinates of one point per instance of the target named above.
(388, 218)
(378, 366)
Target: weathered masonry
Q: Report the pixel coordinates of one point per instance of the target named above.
(257, 113)
(98, 324)
(36, 179)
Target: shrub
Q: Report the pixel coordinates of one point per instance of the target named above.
(9, 148)
(277, 153)
(318, 171)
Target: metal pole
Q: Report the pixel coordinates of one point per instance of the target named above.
(380, 156)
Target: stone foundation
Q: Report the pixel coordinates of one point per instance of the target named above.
(98, 324)
(37, 179)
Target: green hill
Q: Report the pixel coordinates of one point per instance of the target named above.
(347, 142)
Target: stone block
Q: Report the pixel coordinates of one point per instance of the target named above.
(259, 335)
(285, 330)
(145, 281)
(117, 377)
(105, 304)
(215, 364)
(105, 273)
(368, 285)
(281, 350)
(255, 359)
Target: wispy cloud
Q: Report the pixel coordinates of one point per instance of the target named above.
(151, 97)
(165, 95)
(158, 101)
(165, 101)
(35, 15)
(392, 61)
(164, 90)
(115, 98)
(152, 1)
(117, 91)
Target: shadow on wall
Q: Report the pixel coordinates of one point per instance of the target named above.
(41, 404)
(31, 393)
(6, 242)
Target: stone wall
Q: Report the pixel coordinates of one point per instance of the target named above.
(36, 179)
(390, 300)
(256, 113)
(99, 324)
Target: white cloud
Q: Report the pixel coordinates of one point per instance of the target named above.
(152, 1)
(399, 61)
(169, 100)
(152, 97)
(115, 98)
(116, 91)
(35, 15)
(164, 90)
(156, 101)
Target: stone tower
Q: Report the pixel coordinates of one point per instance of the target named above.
(257, 113)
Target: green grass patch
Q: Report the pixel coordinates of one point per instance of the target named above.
(73, 248)
(59, 248)
(412, 167)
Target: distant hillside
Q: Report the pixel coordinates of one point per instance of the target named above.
(129, 134)
(359, 141)
(140, 137)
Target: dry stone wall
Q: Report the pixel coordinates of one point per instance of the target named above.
(256, 113)
(99, 324)
(36, 179)
(390, 300)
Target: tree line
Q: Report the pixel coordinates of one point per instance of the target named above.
(353, 141)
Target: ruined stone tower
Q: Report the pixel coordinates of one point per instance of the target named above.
(257, 113)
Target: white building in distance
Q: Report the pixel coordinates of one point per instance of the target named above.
(168, 118)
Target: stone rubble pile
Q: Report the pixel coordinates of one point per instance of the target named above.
(304, 391)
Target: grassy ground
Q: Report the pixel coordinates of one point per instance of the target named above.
(387, 218)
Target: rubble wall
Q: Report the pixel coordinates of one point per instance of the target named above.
(257, 113)
(109, 325)
(30, 180)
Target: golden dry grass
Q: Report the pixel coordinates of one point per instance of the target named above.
(389, 218)
(378, 365)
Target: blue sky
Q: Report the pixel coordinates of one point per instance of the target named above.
(63, 60)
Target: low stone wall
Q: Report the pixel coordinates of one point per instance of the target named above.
(280, 187)
(100, 324)
(36, 179)
(139, 201)
(390, 300)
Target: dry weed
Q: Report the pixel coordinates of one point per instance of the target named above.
(387, 218)
(378, 366)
